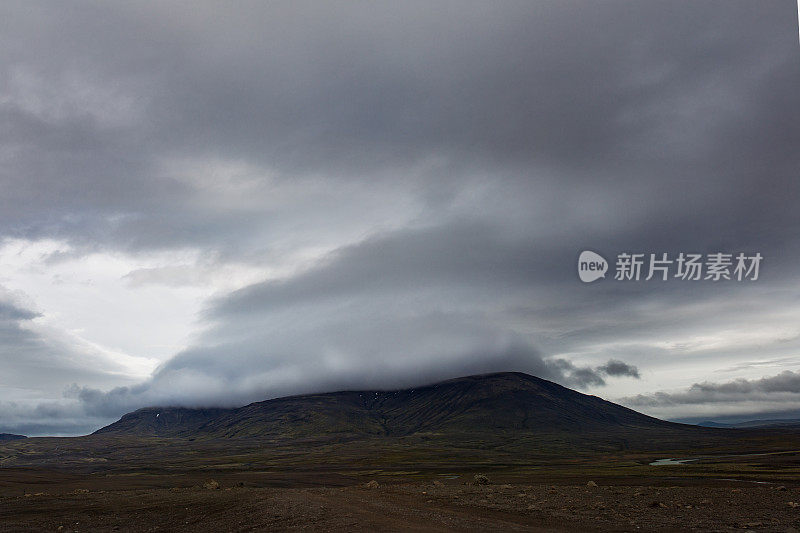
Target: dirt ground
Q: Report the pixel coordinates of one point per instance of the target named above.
(63, 504)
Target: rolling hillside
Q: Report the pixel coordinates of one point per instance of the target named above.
(504, 403)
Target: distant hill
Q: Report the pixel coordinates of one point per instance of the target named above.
(751, 424)
(498, 404)
(11, 436)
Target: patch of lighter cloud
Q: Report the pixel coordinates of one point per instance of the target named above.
(87, 300)
(59, 96)
(761, 334)
(112, 362)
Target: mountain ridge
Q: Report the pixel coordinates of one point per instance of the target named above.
(500, 403)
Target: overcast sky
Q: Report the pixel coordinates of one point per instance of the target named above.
(217, 203)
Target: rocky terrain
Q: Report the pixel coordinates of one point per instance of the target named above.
(419, 506)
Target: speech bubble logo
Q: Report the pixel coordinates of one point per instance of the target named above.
(591, 266)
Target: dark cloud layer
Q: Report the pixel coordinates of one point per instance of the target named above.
(236, 390)
(685, 108)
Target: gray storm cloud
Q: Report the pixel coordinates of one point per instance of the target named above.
(619, 368)
(562, 101)
(413, 179)
(783, 387)
(199, 387)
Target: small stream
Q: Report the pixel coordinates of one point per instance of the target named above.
(674, 461)
(667, 462)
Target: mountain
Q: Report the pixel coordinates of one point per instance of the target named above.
(11, 436)
(497, 404)
(751, 423)
(712, 424)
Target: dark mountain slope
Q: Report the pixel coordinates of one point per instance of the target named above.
(504, 403)
(163, 421)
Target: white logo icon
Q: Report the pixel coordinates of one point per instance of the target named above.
(591, 266)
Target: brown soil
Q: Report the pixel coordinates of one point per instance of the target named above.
(41, 501)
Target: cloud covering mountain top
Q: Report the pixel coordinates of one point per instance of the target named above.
(213, 205)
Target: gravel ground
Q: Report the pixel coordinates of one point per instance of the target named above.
(407, 507)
